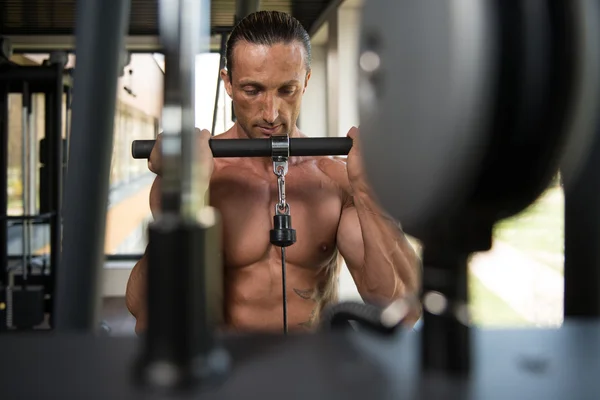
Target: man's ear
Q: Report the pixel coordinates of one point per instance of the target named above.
(227, 82)
(306, 81)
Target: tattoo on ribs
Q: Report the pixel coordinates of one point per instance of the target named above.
(306, 294)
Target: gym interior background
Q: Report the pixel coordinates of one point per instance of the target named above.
(518, 283)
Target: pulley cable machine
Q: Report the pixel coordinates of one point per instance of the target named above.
(468, 108)
(28, 280)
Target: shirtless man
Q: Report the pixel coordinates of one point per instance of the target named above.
(332, 207)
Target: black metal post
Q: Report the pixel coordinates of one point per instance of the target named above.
(46, 156)
(67, 123)
(244, 8)
(582, 238)
(101, 27)
(184, 271)
(25, 232)
(446, 334)
(3, 182)
(31, 74)
(54, 176)
(221, 66)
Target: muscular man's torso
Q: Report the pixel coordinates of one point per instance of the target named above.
(245, 193)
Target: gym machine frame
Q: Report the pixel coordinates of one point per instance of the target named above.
(352, 365)
(34, 290)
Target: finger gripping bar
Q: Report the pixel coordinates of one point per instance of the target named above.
(221, 148)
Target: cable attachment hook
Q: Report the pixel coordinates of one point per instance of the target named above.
(280, 169)
(282, 234)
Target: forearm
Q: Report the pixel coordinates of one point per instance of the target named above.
(390, 267)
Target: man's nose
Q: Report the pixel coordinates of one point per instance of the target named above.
(270, 110)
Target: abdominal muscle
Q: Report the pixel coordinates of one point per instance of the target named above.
(254, 297)
(244, 192)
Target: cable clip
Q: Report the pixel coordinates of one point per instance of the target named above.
(280, 153)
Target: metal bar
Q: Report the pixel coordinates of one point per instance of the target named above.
(133, 43)
(55, 173)
(101, 25)
(184, 272)
(243, 8)
(181, 33)
(26, 102)
(35, 217)
(107, 257)
(47, 43)
(445, 338)
(222, 50)
(3, 182)
(67, 123)
(123, 257)
(47, 182)
(324, 16)
(45, 158)
(171, 188)
(582, 235)
(31, 74)
(14, 257)
(222, 148)
(332, 68)
(40, 79)
(218, 30)
(32, 171)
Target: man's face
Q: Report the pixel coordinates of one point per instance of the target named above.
(266, 87)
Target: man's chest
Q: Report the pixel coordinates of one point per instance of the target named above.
(247, 200)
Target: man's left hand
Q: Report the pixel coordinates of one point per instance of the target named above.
(354, 163)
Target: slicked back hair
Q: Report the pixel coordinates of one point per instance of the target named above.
(268, 28)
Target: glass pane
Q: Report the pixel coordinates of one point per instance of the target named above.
(138, 111)
(207, 69)
(39, 104)
(32, 237)
(15, 157)
(137, 116)
(520, 281)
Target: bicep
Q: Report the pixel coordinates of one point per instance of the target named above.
(135, 296)
(135, 292)
(350, 240)
(155, 194)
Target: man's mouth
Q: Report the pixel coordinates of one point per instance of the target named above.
(269, 130)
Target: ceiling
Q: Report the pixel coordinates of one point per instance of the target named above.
(30, 20)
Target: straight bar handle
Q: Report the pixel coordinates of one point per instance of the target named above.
(223, 148)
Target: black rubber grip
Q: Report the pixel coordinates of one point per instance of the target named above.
(324, 146)
(142, 148)
(339, 316)
(221, 148)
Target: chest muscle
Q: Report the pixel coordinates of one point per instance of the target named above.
(247, 201)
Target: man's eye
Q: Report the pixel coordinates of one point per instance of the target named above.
(287, 91)
(251, 92)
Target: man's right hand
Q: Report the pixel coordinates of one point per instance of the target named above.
(155, 165)
(203, 148)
